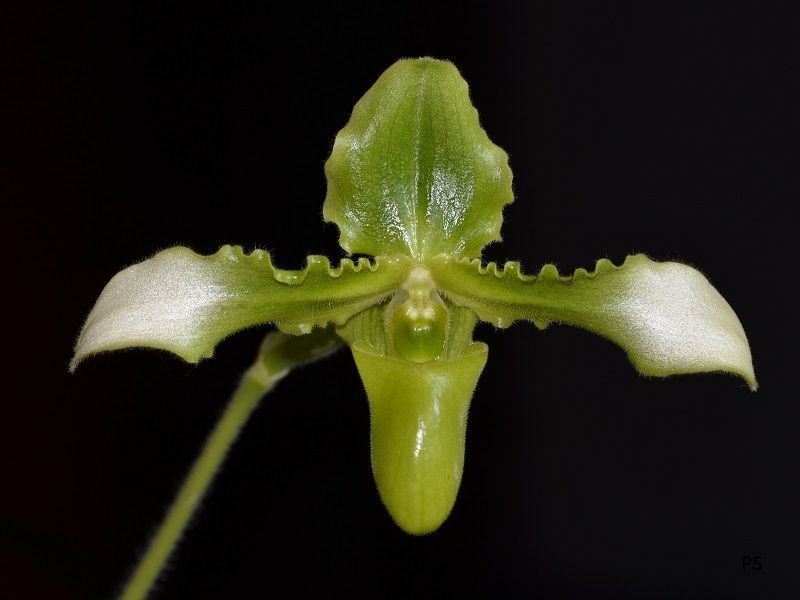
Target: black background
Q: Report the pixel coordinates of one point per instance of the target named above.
(665, 128)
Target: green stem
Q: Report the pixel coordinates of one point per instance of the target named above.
(278, 354)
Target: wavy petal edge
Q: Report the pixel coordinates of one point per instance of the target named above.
(666, 315)
(186, 303)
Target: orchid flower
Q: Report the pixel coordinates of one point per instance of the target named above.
(415, 184)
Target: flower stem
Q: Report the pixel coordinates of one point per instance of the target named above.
(279, 353)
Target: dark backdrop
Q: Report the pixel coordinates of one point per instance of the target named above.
(666, 129)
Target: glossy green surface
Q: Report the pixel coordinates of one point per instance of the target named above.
(665, 315)
(418, 419)
(414, 181)
(418, 334)
(186, 303)
(413, 172)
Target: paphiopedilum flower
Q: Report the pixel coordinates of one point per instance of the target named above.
(415, 183)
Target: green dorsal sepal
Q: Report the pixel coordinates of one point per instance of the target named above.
(413, 172)
(418, 421)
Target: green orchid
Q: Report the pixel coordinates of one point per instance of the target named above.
(414, 183)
